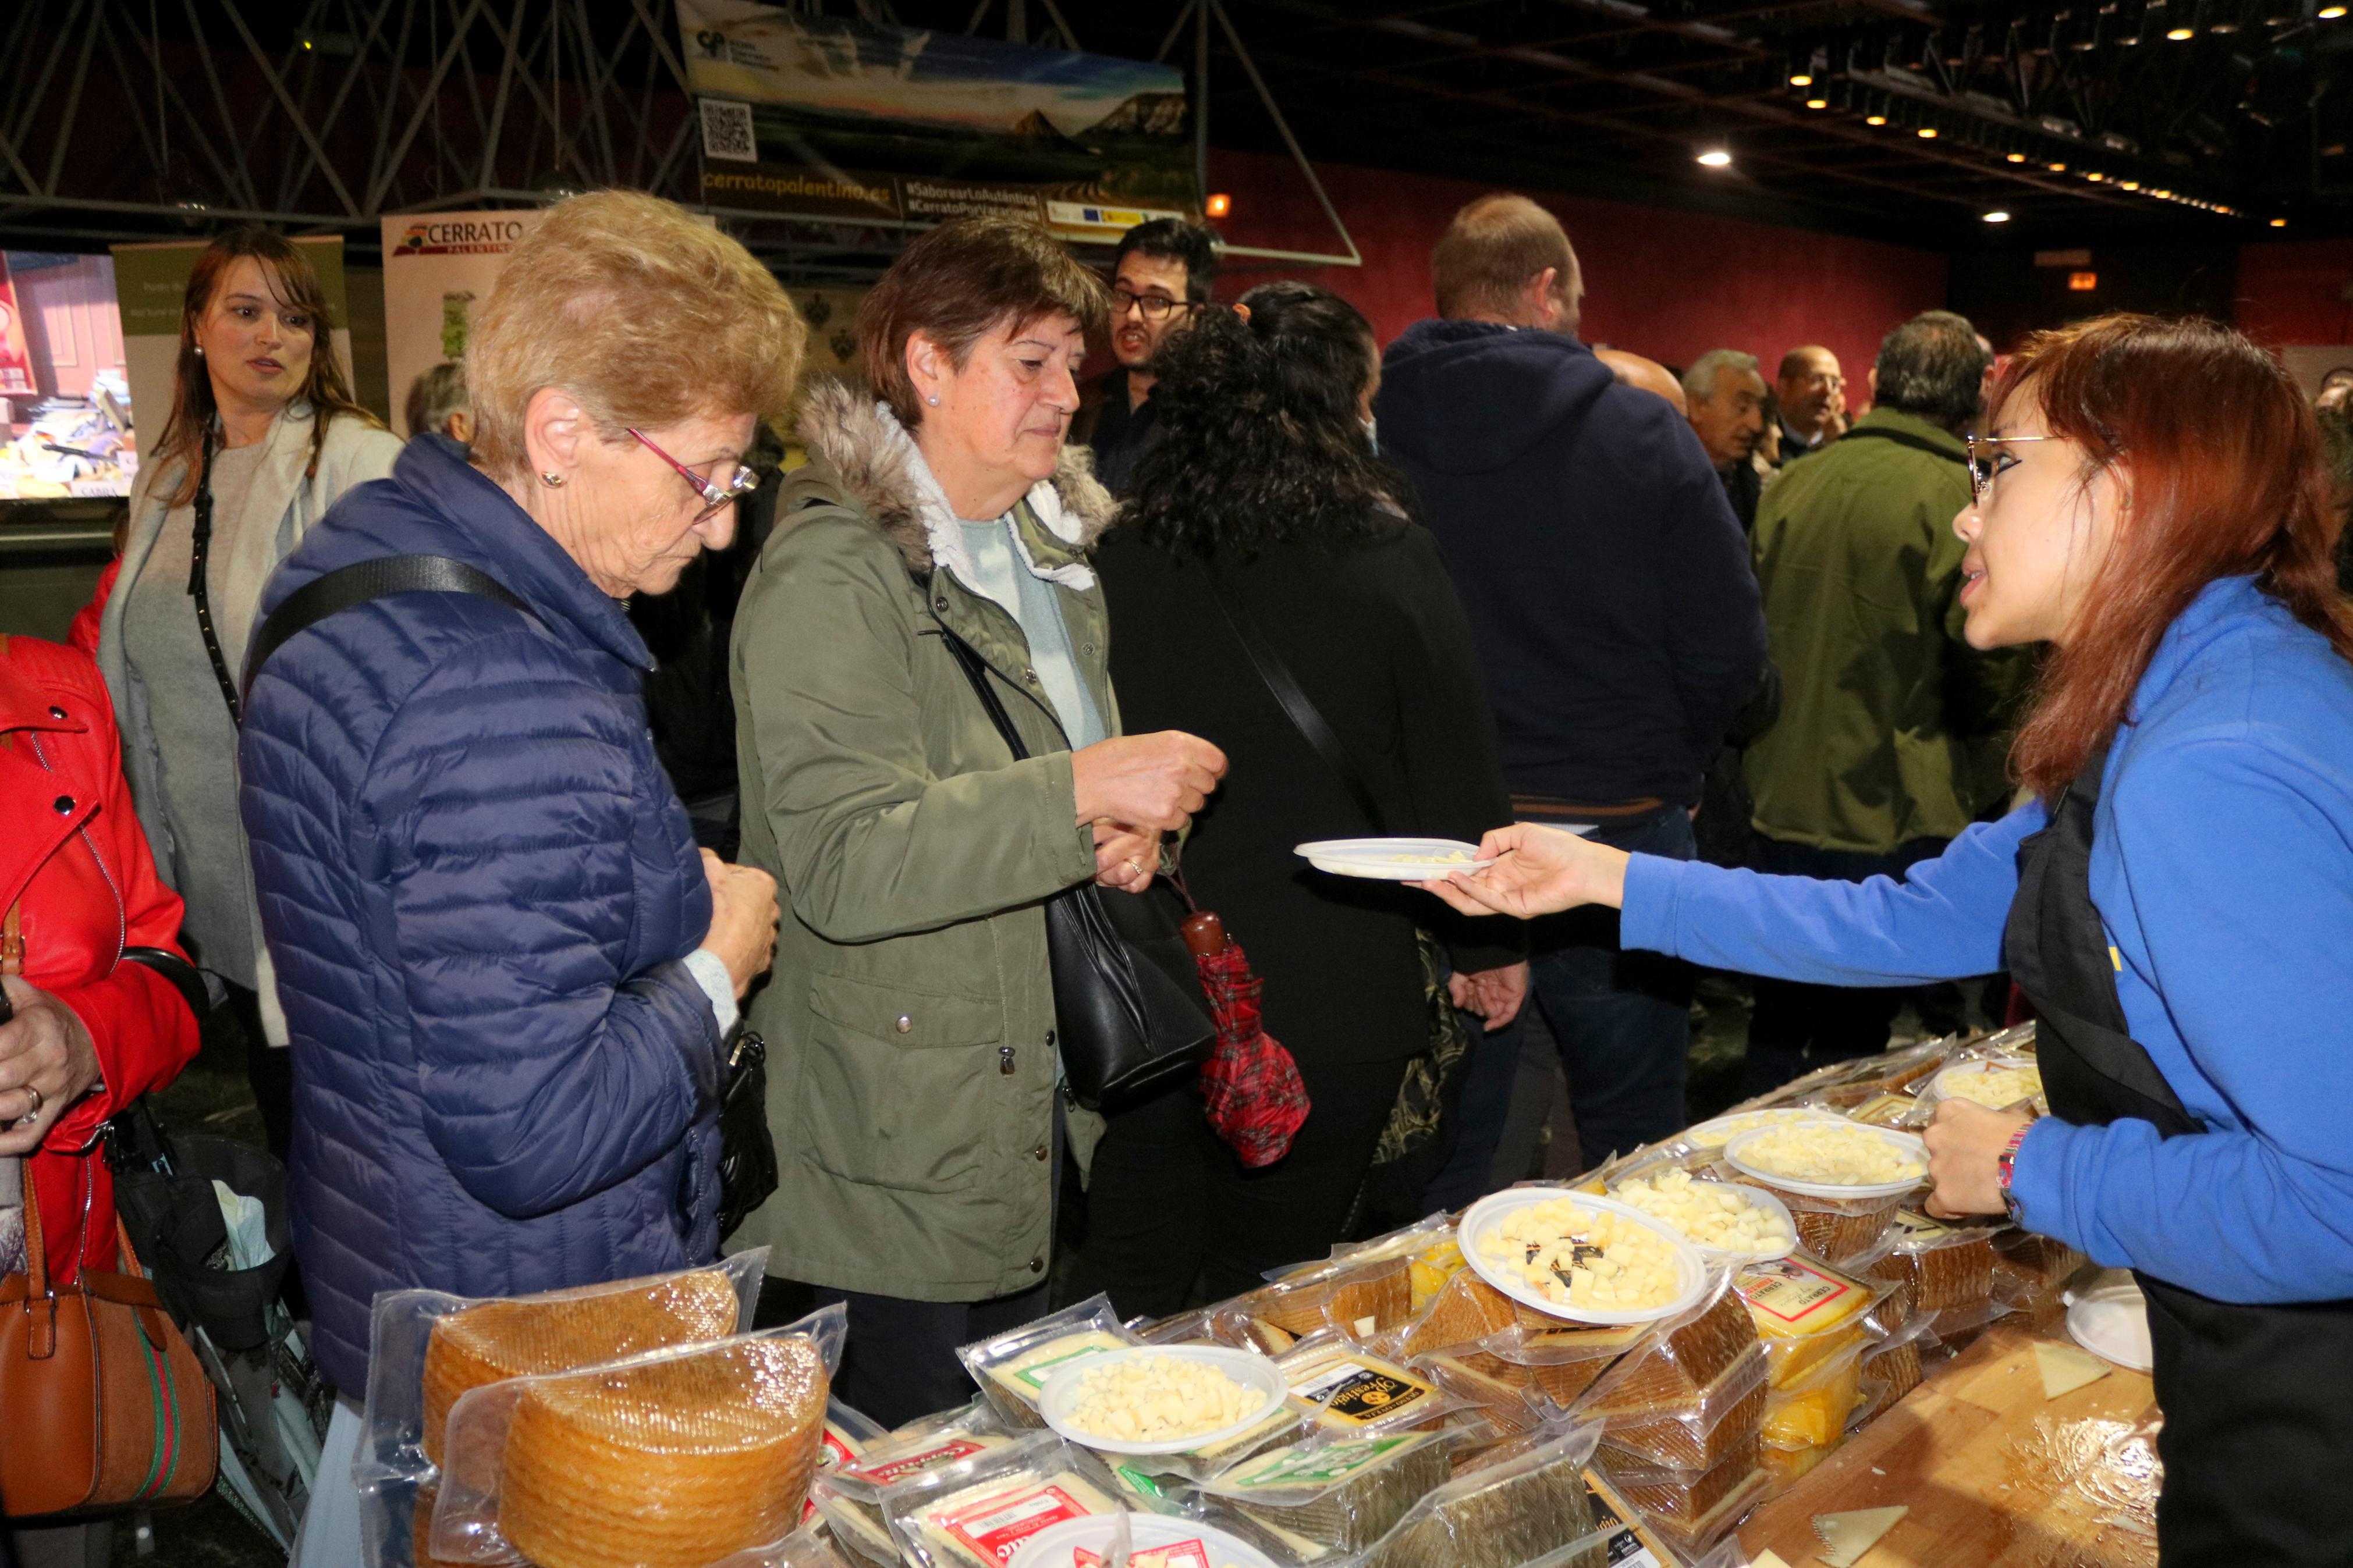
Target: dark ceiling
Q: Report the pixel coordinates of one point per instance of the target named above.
(2107, 119)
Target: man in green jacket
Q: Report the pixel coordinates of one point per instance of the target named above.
(1889, 738)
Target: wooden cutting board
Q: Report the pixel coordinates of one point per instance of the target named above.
(1995, 1475)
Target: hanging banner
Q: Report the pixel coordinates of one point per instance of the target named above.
(438, 268)
(16, 357)
(832, 117)
(151, 285)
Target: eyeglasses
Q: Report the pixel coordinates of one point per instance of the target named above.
(1982, 460)
(1155, 307)
(717, 499)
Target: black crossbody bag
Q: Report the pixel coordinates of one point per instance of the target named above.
(1130, 1018)
(748, 1149)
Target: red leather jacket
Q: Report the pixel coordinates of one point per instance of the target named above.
(72, 852)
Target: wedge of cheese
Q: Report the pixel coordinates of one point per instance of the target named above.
(1847, 1536)
(2065, 1369)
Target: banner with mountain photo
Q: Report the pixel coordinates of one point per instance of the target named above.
(837, 117)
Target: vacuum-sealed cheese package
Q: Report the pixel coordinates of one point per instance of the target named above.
(1525, 1502)
(1011, 1368)
(1346, 1388)
(677, 1458)
(1341, 1493)
(977, 1513)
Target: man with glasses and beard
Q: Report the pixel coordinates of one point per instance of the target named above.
(1160, 279)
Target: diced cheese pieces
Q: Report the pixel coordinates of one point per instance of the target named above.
(1713, 1214)
(1716, 1134)
(2065, 1369)
(1837, 1153)
(1993, 1086)
(1847, 1536)
(1157, 1399)
(1589, 1257)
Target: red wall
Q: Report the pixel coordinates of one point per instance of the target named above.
(1665, 283)
(2292, 291)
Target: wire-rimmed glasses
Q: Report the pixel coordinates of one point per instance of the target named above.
(716, 498)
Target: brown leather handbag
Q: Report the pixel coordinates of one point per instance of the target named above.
(102, 1401)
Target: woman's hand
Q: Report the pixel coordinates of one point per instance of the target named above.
(1124, 856)
(1965, 1145)
(1537, 871)
(743, 916)
(1153, 782)
(47, 1061)
(1495, 995)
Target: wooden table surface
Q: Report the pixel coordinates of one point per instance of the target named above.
(1992, 1471)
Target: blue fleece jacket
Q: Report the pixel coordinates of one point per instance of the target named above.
(2222, 871)
(1611, 602)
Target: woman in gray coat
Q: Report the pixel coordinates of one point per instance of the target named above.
(263, 437)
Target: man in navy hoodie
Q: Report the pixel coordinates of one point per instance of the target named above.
(1614, 610)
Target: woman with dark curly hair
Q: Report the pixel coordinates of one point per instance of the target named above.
(1264, 492)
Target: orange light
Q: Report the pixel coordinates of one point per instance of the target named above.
(1800, 78)
(1818, 103)
(2279, 223)
(1927, 133)
(2082, 282)
(1218, 205)
(1875, 119)
(2016, 157)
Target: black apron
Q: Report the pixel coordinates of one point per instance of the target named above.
(2258, 1401)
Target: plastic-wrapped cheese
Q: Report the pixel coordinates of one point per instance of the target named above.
(1832, 1154)
(1154, 1399)
(1715, 1215)
(1993, 1086)
(674, 1463)
(1345, 1494)
(500, 1340)
(1584, 1257)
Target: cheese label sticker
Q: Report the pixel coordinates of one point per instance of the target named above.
(1034, 1376)
(1310, 1466)
(1178, 1554)
(833, 1447)
(1789, 1291)
(996, 1529)
(882, 1472)
(1357, 1392)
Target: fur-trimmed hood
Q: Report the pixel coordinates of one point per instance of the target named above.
(879, 472)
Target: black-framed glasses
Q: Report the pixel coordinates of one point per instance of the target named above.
(1985, 461)
(1155, 307)
(716, 498)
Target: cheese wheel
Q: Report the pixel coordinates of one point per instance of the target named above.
(500, 1340)
(673, 1463)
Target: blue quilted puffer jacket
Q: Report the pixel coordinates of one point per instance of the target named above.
(478, 888)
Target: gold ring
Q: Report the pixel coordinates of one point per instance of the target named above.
(37, 1101)
(1133, 866)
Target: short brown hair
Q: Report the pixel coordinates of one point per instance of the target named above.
(1491, 250)
(645, 315)
(959, 283)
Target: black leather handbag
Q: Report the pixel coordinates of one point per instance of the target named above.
(1130, 1018)
(748, 1149)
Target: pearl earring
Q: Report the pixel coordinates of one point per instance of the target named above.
(933, 400)
(200, 351)
(552, 481)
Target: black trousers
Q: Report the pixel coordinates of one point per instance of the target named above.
(269, 1070)
(1173, 1219)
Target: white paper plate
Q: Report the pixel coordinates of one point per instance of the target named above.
(1714, 1134)
(1246, 1367)
(1058, 1546)
(1906, 1142)
(1943, 1091)
(1763, 1200)
(2111, 1320)
(1490, 1211)
(1391, 860)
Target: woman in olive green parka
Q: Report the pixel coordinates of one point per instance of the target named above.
(911, 1014)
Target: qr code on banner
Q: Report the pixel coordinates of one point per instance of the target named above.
(727, 131)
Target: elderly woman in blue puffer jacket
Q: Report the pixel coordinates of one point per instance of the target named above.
(506, 969)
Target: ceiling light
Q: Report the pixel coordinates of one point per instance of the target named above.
(1927, 133)
(2057, 168)
(2094, 175)
(1800, 78)
(2129, 185)
(1218, 205)
(1997, 217)
(1716, 158)
(2016, 157)
(2330, 13)
(2279, 223)
(2180, 35)
(1818, 103)
(1875, 119)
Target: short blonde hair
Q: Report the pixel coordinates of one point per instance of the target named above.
(1493, 248)
(644, 315)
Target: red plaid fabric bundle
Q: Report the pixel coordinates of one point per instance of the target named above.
(1256, 1100)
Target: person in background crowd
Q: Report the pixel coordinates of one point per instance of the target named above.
(1647, 375)
(93, 1029)
(913, 1088)
(1812, 391)
(1612, 603)
(2335, 388)
(1725, 395)
(2176, 900)
(438, 404)
(263, 437)
(1161, 278)
(1263, 494)
(1765, 457)
(2336, 453)
(507, 972)
(1875, 763)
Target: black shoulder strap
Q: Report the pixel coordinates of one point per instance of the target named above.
(1904, 439)
(1303, 713)
(357, 583)
(976, 670)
